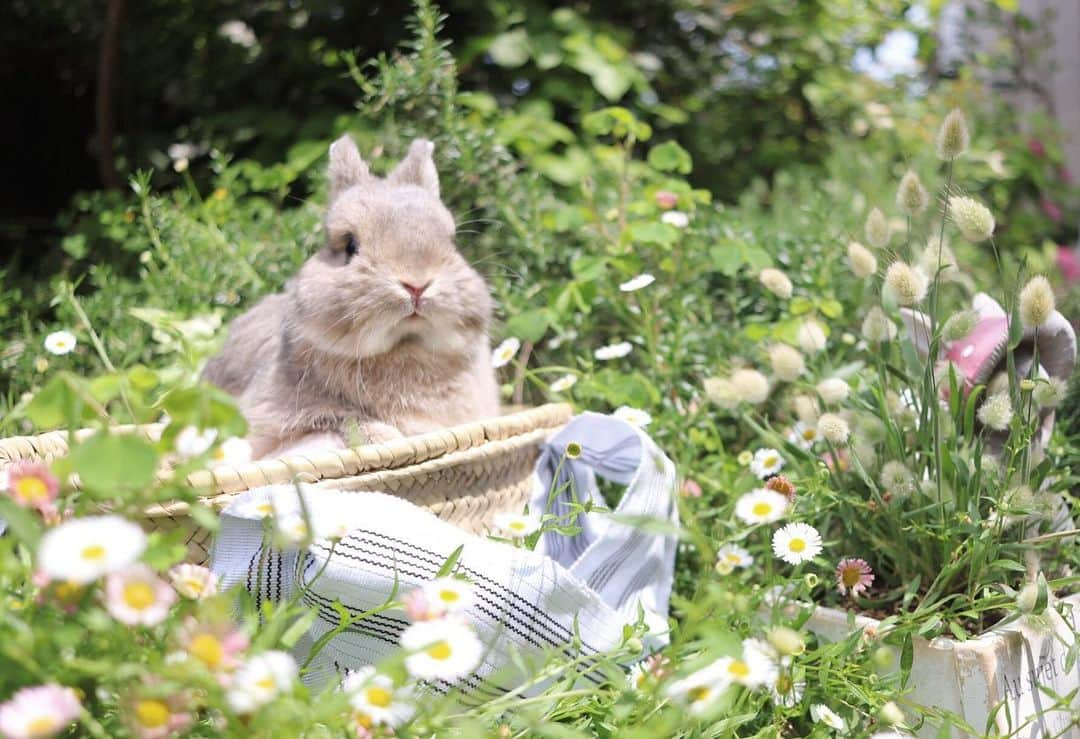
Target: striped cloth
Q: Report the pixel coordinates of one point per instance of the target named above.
(573, 595)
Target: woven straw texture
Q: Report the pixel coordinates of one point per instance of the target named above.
(464, 474)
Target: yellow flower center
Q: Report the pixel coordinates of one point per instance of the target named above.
(265, 508)
(573, 450)
(207, 649)
(516, 525)
(449, 596)
(699, 693)
(138, 595)
(809, 434)
(733, 558)
(378, 696)
(440, 651)
(152, 713)
(68, 590)
(93, 553)
(761, 509)
(797, 545)
(769, 461)
(784, 685)
(738, 668)
(850, 576)
(42, 726)
(363, 720)
(266, 683)
(31, 489)
(194, 585)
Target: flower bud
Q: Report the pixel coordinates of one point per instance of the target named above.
(975, 221)
(834, 428)
(953, 137)
(1050, 394)
(787, 362)
(1036, 302)
(996, 412)
(833, 390)
(877, 229)
(911, 196)
(787, 641)
(883, 657)
(877, 327)
(891, 714)
(811, 336)
(721, 391)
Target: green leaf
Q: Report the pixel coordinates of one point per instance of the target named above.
(26, 526)
(669, 156)
(300, 627)
(588, 268)
(653, 232)
(58, 403)
(730, 256)
(451, 562)
(907, 657)
(164, 549)
(109, 464)
(530, 325)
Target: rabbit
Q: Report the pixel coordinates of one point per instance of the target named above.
(382, 333)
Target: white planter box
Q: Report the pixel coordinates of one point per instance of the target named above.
(1011, 673)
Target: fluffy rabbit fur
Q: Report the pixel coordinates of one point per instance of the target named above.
(384, 330)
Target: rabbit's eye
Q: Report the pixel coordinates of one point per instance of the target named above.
(351, 248)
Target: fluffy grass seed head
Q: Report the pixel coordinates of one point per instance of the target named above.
(776, 282)
(1050, 394)
(938, 259)
(960, 325)
(877, 229)
(722, 391)
(911, 196)
(862, 261)
(787, 363)
(972, 218)
(897, 479)
(811, 336)
(876, 326)
(833, 390)
(807, 411)
(750, 386)
(1036, 302)
(834, 428)
(996, 412)
(953, 137)
(905, 283)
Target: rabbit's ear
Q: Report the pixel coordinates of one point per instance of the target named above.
(418, 168)
(347, 167)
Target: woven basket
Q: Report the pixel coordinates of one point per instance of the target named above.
(464, 474)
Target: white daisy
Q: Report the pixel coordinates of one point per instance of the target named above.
(676, 218)
(515, 525)
(192, 441)
(766, 463)
(83, 549)
(732, 556)
(563, 384)
(375, 701)
(39, 711)
(643, 280)
(193, 581)
(761, 506)
(796, 543)
(756, 667)
(613, 351)
(136, 596)
(60, 342)
(451, 594)
(445, 649)
(700, 690)
(261, 679)
(803, 435)
(233, 451)
(822, 714)
(505, 351)
(633, 416)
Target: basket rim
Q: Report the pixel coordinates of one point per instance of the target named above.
(326, 464)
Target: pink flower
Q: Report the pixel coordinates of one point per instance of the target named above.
(38, 712)
(218, 646)
(137, 596)
(690, 489)
(32, 485)
(418, 608)
(1051, 209)
(1069, 263)
(151, 716)
(666, 199)
(1036, 147)
(853, 574)
(841, 460)
(1065, 175)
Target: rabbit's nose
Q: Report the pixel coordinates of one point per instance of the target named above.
(415, 291)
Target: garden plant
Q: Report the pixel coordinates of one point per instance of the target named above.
(855, 348)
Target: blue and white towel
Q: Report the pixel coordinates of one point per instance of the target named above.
(572, 595)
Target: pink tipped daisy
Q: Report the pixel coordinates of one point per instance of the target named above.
(218, 646)
(40, 711)
(853, 574)
(138, 597)
(32, 485)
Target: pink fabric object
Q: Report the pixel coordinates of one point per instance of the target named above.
(1069, 263)
(976, 355)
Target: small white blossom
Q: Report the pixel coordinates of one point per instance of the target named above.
(822, 714)
(766, 463)
(515, 525)
(505, 352)
(637, 283)
(83, 549)
(613, 351)
(796, 543)
(444, 649)
(811, 336)
(676, 218)
(192, 441)
(633, 416)
(761, 506)
(60, 342)
(563, 384)
(833, 390)
(260, 680)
